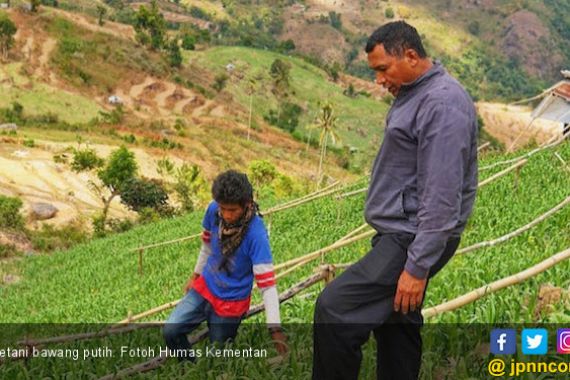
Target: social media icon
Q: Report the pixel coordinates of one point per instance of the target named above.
(534, 341)
(503, 341)
(563, 341)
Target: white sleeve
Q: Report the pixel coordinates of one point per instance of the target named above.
(205, 252)
(271, 302)
(265, 278)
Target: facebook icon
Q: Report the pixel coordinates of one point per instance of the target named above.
(503, 341)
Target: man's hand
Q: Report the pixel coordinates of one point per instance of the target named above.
(280, 341)
(409, 293)
(190, 282)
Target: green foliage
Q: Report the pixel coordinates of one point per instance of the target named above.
(29, 143)
(285, 117)
(220, 81)
(174, 54)
(114, 117)
(14, 114)
(35, 5)
(200, 13)
(188, 42)
(7, 31)
(335, 20)
(261, 173)
(85, 160)
(389, 13)
(150, 26)
(280, 73)
(10, 216)
(474, 27)
(101, 12)
(139, 193)
(190, 187)
(50, 238)
(120, 168)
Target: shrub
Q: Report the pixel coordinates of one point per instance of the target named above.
(10, 216)
(139, 193)
(85, 159)
(261, 173)
(389, 13)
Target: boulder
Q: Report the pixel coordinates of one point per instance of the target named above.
(43, 211)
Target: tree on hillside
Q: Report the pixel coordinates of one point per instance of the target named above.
(7, 31)
(150, 26)
(101, 12)
(326, 122)
(279, 71)
(174, 54)
(35, 5)
(120, 168)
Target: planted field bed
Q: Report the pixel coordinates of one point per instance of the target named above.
(99, 282)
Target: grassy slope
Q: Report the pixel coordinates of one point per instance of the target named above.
(310, 86)
(40, 98)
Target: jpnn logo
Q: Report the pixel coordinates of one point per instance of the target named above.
(534, 341)
(504, 341)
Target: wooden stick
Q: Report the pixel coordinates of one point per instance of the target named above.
(502, 172)
(516, 232)
(310, 257)
(141, 252)
(202, 334)
(147, 313)
(351, 193)
(552, 142)
(167, 242)
(301, 202)
(483, 146)
(332, 247)
(90, 335)
(564, 163)
(496, 285)
(310, 194)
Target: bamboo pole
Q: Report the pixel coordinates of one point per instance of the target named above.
(351, 193)
(332, 247)
(496, 285)
(310, 194)
(311, 256)
(301, 202)
(516, 232)
(167, 242)
(552, 142)
(564, 163)
(147, 313)
(503, 172)
(159, 360)
(483, 146)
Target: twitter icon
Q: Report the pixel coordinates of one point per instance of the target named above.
(534, 341)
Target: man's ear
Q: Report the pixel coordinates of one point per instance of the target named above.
(412, 57)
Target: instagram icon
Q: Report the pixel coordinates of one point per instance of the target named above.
(563, 341)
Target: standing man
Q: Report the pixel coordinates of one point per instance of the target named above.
(235, 250)
(421, 193)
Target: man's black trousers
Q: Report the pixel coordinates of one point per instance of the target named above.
(360, 301)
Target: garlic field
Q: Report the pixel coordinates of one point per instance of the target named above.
(99, 282)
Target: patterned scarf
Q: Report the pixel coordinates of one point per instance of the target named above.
(231, 234)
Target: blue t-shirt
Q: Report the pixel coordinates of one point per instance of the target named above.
(254, 249)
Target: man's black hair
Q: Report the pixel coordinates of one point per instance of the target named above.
(232, 187)
(396, 37)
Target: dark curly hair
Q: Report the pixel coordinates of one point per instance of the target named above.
(232, 187)
(396, 37)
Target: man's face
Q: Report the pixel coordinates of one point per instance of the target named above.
(391, 71)
(231, 212)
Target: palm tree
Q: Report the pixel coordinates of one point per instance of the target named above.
(326, 122)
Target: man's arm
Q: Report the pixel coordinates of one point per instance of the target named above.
(205, 252)
(444, 143)
(265, 279)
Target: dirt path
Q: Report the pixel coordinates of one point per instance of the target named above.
(113, 28)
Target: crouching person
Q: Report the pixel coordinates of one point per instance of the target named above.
(235, 250)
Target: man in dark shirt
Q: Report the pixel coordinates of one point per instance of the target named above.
(421, 193)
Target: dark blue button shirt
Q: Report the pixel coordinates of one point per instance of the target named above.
(424, 178)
